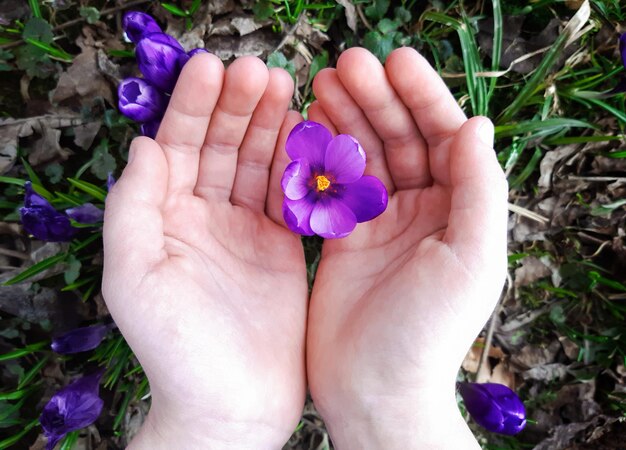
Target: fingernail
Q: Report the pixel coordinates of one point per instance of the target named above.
(485, 133)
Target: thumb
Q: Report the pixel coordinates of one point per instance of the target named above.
(477, 226)
(133, 226)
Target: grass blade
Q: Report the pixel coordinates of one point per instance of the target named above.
(91, 189)
(36, 268)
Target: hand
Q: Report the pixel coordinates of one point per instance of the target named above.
(397, 304)
(209, 292)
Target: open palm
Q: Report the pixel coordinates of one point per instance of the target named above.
(396, 305)
(209, 292)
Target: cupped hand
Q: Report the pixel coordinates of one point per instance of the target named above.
(396, 305)
(209, 292)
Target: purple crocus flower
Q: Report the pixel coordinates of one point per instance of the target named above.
(86, 213)
(136, 24)
(110, 181)
(622, 47)
(150, 129)
(80, 339)
(140, 101)
(74, 407)
(160, 58)
(41, 220)
(494, 407)
(196, 51)
(325, 190)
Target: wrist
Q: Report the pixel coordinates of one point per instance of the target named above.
(167, 431)
(431, 420)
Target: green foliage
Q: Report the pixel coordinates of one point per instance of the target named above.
(278, 59)
(91, 14)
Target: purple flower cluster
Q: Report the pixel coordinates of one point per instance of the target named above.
(494, 407)
(325, 190)
(44, 222)
(160, 58)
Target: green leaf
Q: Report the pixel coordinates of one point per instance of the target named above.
(402, 14)
(34, 61)
(263, 9)
(34, 7)
(380, 45)
(539, 127)
(103, 162)
(54, 172)
(89, 188)
(38, 29)
(9, 413)
(175, 10)
(194, 6)
(18, 353)
(387, 25)
(90, 13)
(53, 52)
(32, 372)
(320, 61)
(11, 180)
(6, 443)
(69, 440)
(277, 59)
(72, 272)
(377, 9)
(35, 269)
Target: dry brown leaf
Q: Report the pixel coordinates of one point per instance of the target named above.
(351, 13)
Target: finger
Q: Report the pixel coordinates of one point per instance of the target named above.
(133, 227)
(477, 225)
(190, 109)
(348, 118)
(244, 83)
(257, 149)
(436, 112)
(316, 114)
(274, 205)
(406, 152)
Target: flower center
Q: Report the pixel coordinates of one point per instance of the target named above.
(323, 183)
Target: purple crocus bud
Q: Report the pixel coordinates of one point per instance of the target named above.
(80, 339)
(140, 101)
(196, 51)
(160, 59)
(150, 129)
(86, 213)
(325, 190)
(74, 407)
(494, 407)
(41, 220)
(136, 24)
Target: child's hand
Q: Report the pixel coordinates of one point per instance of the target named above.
(397, 304)
(209, 292)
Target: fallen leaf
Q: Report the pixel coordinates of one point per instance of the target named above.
(350, 11)
(548, 372)
(531, 269)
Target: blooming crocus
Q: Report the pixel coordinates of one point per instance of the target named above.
(86, 213)
(325, 190)
(41, 220)
(140, 101)
(160, 58)
(80, 339)
(136, 24)
(150, 129)
(494, 407)
(196, 51)
(74, 407)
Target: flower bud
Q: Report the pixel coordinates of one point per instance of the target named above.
(80, 339)
(136, 24)
(139, 100)
(494, 407)
(160, 58)
(150, 129)
(40, 219)
(86, 213)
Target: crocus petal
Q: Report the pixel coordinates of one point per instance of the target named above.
(344, 159)
(150, 129)
(297, 214)
(295, 181)
(197, 51)
(74, 407)
(110, 181)
(493, 406)
(80, 339)
(622, 47)
(87, 213)
(332, 219)
(366, 197)
(136, 24)
(309, 140)
(41, 220)
(160, 59)
(140, 101)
